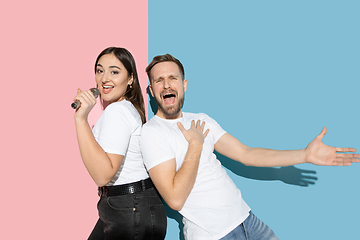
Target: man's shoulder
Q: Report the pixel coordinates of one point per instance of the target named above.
(152, 126)
(151, 123)
(153, 132)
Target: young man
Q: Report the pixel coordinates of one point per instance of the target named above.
(178, 147)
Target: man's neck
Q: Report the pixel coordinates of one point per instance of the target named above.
(160, 114)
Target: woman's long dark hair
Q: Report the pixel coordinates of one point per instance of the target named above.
(133, 94)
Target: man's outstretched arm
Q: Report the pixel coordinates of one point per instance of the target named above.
(173, 186)
(316, 153)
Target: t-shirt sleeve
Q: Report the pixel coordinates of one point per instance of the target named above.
(155, 149)
(114, 131)
(216, 130)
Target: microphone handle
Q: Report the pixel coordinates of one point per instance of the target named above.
(76, 104)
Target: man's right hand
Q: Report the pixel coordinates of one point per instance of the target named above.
(196, 132)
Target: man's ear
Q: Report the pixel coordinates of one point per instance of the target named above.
(185, 85)
(151, 91)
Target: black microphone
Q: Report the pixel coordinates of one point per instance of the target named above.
(76, 104)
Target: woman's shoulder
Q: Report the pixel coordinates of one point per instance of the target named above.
(124, 109)
(123, 105)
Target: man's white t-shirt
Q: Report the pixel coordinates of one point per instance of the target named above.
(215, 206)
(118, 131)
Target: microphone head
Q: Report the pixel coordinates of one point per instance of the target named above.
(95, 91)
(75, 105)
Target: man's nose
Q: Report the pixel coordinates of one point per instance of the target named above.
(166, 83)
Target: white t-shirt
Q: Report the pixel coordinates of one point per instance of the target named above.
(118, 131)
(215, 206)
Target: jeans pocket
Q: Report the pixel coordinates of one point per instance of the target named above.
(119, 204)
(158, 220)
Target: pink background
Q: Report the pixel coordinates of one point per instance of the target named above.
(47, 51)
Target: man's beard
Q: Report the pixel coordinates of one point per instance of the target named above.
(172, 111)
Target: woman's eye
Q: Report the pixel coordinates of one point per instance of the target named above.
(114, 72)
(99, 71)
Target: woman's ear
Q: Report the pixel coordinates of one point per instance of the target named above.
(131, 79)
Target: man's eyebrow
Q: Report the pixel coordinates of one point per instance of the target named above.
(159, 78)
(170, 76)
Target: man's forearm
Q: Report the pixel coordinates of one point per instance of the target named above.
(185, 177)
(232, 148)
(261, 157)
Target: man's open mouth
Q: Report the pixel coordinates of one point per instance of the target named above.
(169, 98)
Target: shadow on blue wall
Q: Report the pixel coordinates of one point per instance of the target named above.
(289, 175)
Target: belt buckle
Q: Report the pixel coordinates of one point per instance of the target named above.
(131, 190)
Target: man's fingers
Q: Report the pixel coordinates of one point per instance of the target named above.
(202, 126)
(192, 123)
(199, 126)
(206, 133)
(197, 123)
(355, 160)
(345, 150)
(341, 163)
(322, 134)
(349, 157)
(180, 126)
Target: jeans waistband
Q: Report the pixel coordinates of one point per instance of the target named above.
(125, 189)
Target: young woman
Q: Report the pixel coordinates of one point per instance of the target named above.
(129, 206)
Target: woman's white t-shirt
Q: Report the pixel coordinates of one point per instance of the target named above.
(118, 131)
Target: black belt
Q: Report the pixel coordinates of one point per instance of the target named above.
(125, 189)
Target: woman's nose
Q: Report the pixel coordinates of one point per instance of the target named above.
(105, 78)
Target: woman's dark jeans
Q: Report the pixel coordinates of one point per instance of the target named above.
(136, 216)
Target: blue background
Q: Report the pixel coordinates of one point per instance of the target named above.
(273, 74)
